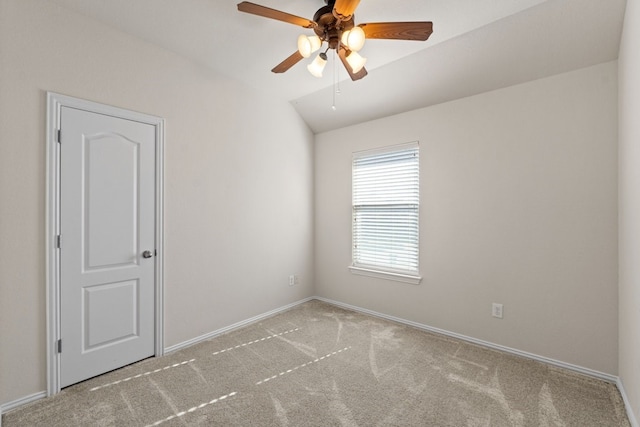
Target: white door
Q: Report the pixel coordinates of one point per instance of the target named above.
(107, 248)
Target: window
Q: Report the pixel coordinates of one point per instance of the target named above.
(386, 200)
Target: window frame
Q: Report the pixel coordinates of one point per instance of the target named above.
(380, 271)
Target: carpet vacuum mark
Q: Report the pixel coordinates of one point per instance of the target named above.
(321, 365)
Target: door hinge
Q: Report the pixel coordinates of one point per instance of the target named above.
(59, 241)
(59, 346)
(59, 136)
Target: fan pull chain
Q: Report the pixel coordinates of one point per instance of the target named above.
(336, 80)
(337, 67)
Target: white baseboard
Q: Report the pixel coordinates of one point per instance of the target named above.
(586, 371)
(229, 328)
(580, 369)
(632, 418)
(6, 407)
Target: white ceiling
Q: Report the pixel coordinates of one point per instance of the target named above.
(477, 46)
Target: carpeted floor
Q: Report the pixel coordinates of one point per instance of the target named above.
(320, 365)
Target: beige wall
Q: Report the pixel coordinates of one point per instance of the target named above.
(629, 191)
(238, 180)
(518, 199)
(518, 206)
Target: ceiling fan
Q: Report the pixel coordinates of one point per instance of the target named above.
(334, 25)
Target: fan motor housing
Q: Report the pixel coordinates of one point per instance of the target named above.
(329, 28)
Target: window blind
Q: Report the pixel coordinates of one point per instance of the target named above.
(386, 201)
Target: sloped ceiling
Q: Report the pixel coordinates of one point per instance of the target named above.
(477, 46)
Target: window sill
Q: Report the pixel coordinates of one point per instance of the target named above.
(398, 277)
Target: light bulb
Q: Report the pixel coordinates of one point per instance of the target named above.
(354, 39)
(356, 62)
(308, 45)
(316, 67)
(345, 38)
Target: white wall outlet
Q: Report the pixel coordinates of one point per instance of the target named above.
(496, 310)
(292, 280)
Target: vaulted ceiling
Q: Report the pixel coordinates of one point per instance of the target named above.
(476, 46)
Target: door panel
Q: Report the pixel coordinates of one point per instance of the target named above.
(111, 178)
(99, 304)
(107, 220)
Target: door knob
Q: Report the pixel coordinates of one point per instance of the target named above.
(147, 254)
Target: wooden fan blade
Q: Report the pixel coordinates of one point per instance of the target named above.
(398, 30)
(343, 53)
(288, 63)
(343, 9)
(267, 12)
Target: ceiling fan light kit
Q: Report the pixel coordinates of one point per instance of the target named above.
(308, 44)
(334, 24)
(356, 62)
(317, 66)
(354, 38)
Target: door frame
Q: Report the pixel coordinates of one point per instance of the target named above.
(55, 102)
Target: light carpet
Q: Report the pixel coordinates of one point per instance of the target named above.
(321, 365)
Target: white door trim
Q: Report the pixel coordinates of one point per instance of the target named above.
(54, 104)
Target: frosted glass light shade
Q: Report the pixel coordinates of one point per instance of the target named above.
(354, 39)
(316, 67)
(355, 61)
(308, 44)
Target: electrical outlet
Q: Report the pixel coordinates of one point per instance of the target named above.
(496, 310)
(292, 280)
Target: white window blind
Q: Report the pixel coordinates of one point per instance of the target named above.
(386, 201)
